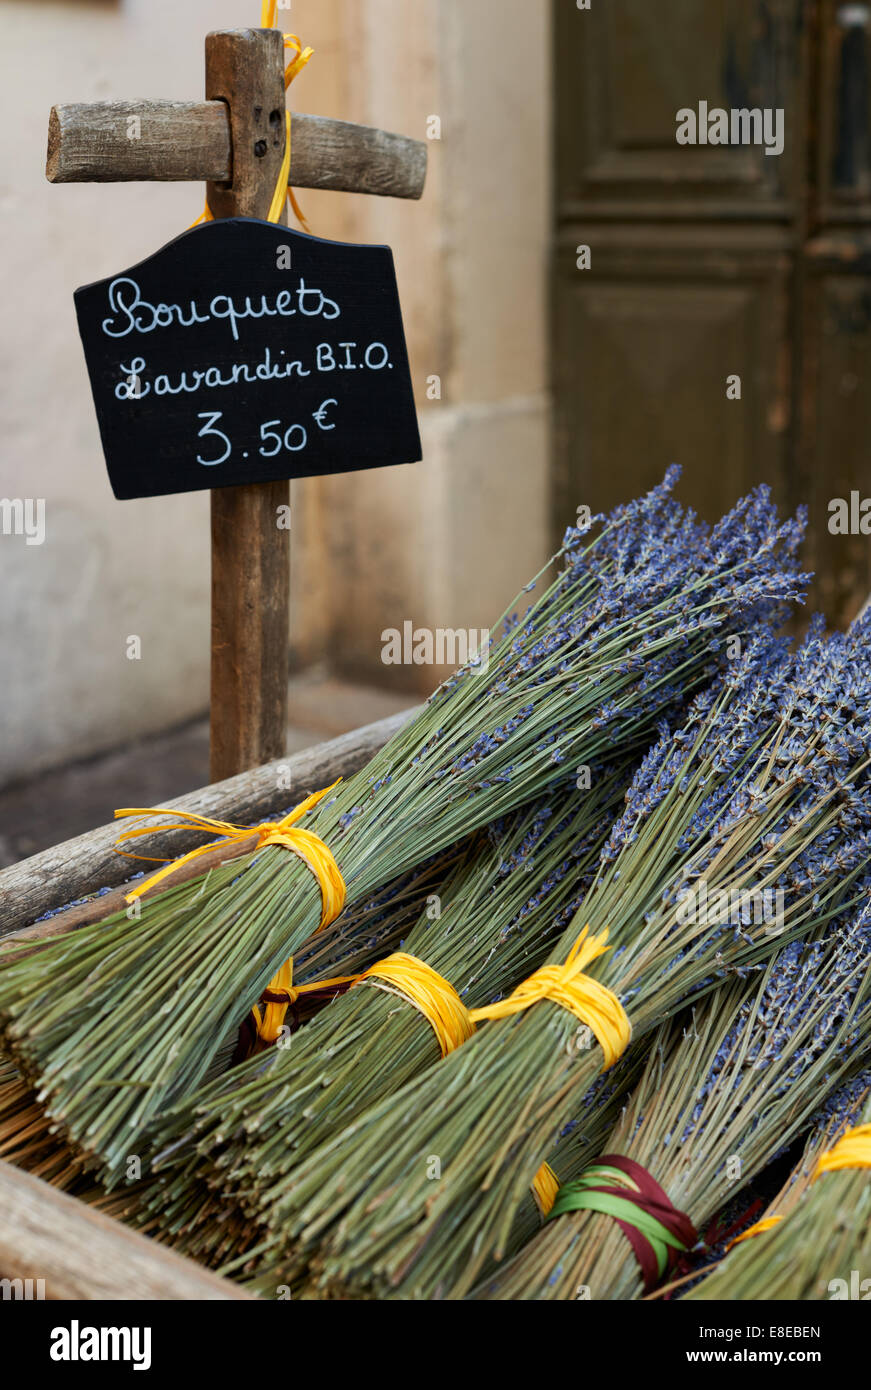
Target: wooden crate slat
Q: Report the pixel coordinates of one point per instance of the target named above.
(87, 863)
(81, 1254)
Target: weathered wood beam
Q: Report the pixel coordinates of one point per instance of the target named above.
(97, 909)
(190, 140)
(250, 552)
(81, 866)
(81, 1254)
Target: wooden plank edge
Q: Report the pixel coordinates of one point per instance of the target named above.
(84, 865)
(79, 1253)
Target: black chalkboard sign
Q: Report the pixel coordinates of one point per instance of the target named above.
(244, 352)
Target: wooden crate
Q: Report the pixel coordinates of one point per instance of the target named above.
(47, 1235)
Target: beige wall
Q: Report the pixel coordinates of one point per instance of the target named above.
(445, 543)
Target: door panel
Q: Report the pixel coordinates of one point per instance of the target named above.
(836, 427)
(708, 262)
(644, 346)
(627, 67)
(844, 150)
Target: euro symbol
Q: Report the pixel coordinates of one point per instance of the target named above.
(320, 415)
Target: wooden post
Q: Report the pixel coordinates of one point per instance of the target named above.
(250, 554)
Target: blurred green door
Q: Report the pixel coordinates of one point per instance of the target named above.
(713, 262)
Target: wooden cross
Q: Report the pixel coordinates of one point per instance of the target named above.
(235, 141)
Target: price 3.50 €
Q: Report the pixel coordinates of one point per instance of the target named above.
(275, 436)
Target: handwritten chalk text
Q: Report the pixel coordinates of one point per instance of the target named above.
(136, 382)
(130, 313)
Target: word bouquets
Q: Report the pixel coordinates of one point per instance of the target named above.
(224, 360)
(444, 646)
(739, 126)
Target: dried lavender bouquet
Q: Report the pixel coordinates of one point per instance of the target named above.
(499, 912)
(815, 1239)
(578, 1144)
(349, 945)
(272, 1272)
(839, 1111)
(718, 1101)
(764, 789)
(117, 1022)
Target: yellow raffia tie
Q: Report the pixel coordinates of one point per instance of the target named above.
(283, 191)
(453, 1024)
(308, 847)
(545, 1186)
(432, 995)
(757, 1230)
(305, 844)
(429, 992)
(853, 1150)
(592, 1003)
(270, 1023)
